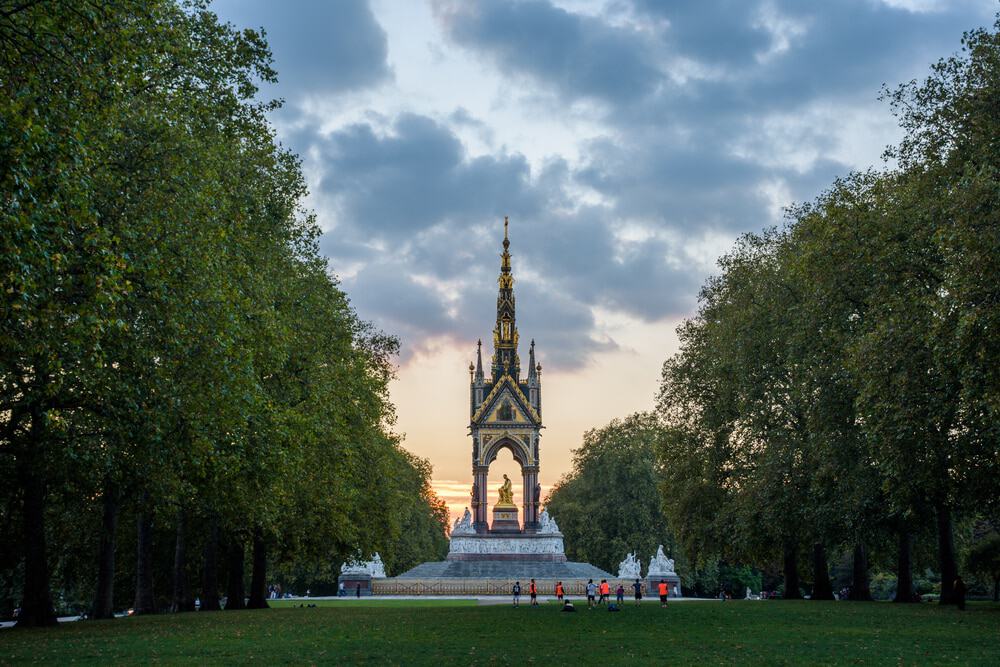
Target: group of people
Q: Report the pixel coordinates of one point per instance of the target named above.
(597, 594)
(532, 591)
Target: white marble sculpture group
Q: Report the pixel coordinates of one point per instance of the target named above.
(630, 568)
(547, 524)
(374, 568)
(659, 565)
(463, 525)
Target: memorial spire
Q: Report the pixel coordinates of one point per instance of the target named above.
(505, 359)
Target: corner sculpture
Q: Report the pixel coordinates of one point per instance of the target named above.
(463, 525)
(374, 568)
(660, 569)
(660, 564)
(630, 568)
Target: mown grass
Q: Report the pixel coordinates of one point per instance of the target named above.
(422, 632)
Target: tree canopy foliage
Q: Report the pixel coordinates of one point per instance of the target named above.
(839, 381)
(174, 350)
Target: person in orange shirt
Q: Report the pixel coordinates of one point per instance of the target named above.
(663, 593)
(533, 591)
(559, 591)
(605, 591)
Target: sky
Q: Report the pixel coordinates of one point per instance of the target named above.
(630, 142)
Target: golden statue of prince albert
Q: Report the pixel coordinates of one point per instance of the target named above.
(506, 493)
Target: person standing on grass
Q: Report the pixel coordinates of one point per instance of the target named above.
(559, 591)
(591, 591)
(605, 591)
(533, 591)
(517, 593)
(663, 593)
(960, 590)
(637, 588)
(620, 594)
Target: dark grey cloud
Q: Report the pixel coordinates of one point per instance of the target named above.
(318, 46)
(731, 55)
(397, 184)
(581, 56)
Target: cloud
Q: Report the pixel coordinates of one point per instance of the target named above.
(678, 126)
(579, 55)
(393, 185)
(318, 47)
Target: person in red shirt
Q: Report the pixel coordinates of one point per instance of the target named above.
(559, 591)
(605, 591)
(663, 593)
(533, 590)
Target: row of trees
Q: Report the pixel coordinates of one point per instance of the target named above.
(174, 353)
(841, 380)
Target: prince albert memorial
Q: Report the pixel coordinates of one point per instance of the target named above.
(523, 542)
(505, 411)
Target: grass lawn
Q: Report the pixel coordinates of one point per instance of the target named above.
(455, 632)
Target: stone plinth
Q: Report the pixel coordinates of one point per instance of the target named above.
(505, 519)
(537, 547)
(353, 580)
(673, 584)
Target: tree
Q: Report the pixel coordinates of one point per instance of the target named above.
(984, 559)
(608, 505)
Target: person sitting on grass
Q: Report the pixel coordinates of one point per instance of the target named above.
(637, 588)
(567, 605)
(591, 592)
(517, 593)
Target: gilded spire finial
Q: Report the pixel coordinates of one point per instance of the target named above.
(506, 279)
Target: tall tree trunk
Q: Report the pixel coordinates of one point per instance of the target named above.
(791, 570)
(860, 587)
(210, 571)
(822, 588)
(181, 598)
(104, 597)
(235, 593)
(258, 573)
(145, 603)
(946, 555)
(36, 599)
(904, 568)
